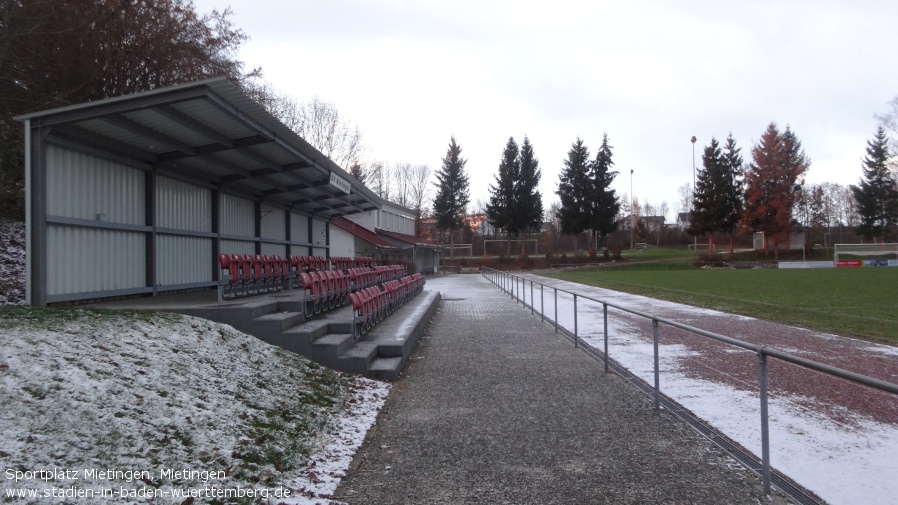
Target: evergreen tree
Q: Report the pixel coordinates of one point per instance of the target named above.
(732, 187)
(717, 200)
(453, 194)
(704, 218)
(529, 214)
(502, 207)
(876, 193)
(606, 204)
(795, 164)
(587, 201)
(358, 172)
(574, 190)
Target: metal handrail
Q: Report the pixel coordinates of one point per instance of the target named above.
(509, 283)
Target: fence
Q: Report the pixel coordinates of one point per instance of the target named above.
(516, 286)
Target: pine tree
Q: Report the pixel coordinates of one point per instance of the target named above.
(717, 200)
(529, 213)
(876, 193)
(574, 190)
(502, 207)
(732, 187)
(358, 172)
(795, 165)
(704, 218)
(453, 194)
(605, 202)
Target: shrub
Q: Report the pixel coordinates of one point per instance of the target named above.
(710, 259)
(592, 253)
(616, 249)
(563, 258)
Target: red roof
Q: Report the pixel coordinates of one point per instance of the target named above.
(408, 239)
(361, 232)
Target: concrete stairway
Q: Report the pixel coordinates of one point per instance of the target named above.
(327, 338)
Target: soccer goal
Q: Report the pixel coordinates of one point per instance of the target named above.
(461, 250)
(873, 252)
(531, 245)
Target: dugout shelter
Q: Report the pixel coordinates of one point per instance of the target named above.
(137, 195)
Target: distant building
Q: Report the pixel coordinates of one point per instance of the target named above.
(388, 232)
(683, 220)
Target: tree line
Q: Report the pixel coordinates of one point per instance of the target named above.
(768, 195)
(60, 53)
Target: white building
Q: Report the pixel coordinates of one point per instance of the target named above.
(388, 232)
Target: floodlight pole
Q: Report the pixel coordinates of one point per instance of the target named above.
(694, 237)
(632, 214)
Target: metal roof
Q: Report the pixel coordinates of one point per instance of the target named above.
(361, 232)
(408, 239)
(212, 133)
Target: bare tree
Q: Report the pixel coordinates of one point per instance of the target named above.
(419, 192)
(318, 122)
(379, 179)
(401, 173)
(322, 125)
(685, 202)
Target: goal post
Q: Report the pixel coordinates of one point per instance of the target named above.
(531, 241)
(882, 252)
(469, 248)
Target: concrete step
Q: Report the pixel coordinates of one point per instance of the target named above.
(328, 349)
(388, 369)
(279, 321)
(358, 358)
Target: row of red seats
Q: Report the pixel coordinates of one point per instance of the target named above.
(252, 273)
(371, 305)
(362, 278)
(390, 272)
(309, 263)
(324, 290)
(404, 289)
(347, 263)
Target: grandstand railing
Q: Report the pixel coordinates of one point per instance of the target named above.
(516, 287)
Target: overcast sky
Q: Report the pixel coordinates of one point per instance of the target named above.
(651, 75)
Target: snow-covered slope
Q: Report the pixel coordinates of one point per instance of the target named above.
(110, 405)
(12, 263)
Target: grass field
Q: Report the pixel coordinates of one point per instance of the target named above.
(851, 301)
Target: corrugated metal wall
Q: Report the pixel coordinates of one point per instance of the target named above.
(83, 186)
(81, 260)
(237, 216)
(183, 206)
(319, 232)
(274, 223)
(274, 249)
(299, 250)
(299, 228)
(237, 247)
(182, 260)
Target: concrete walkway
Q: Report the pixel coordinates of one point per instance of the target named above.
(496, 408)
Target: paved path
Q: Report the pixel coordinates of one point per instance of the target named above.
(495, 408)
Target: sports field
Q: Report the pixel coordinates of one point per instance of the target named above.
(861, 302)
